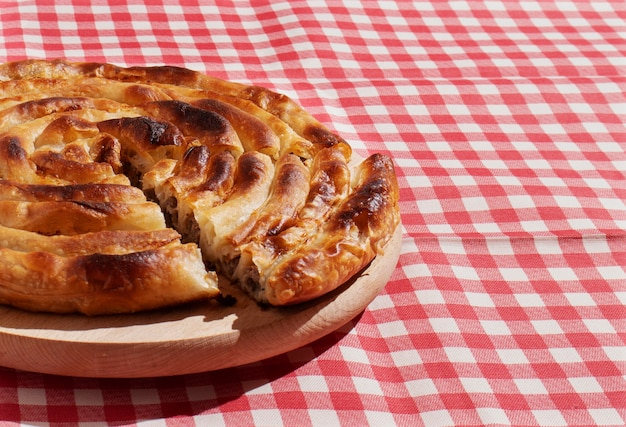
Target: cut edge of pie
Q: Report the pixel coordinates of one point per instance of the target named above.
(130, 189)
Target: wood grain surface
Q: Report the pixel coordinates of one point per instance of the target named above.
(195, 338)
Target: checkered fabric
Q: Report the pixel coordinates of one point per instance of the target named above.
(506, 121)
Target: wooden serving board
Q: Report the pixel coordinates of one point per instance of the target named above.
(184, 340)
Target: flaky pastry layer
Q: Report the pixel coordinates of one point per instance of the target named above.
(128, 189)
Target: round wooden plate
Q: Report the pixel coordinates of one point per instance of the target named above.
(184, 340)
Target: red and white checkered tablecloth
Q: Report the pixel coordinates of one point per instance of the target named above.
(506, 121)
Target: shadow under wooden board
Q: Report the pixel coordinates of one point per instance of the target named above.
(183, 340)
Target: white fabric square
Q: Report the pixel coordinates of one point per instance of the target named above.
(151, 51)
(420, 181)
(548, 246)
(579, 299)
(526, 87)
(539, 164)
(451, 163)
(513, 274)
(567, 201)
(430, 296)
(444, 325)
(475, 204)
(609, 146)
(540, 109)
(547, 327)
(580, 108)
(100, 10)
(500, 247)
(487, 89)
(452, 246)
(482, 36)
(562, 273)
(606, 416)
(382, 302)
(351, 354)
(521, 201)
(469, 127)
(565, 355)
(423, 387)
(406, 358)
(137, 9)
(493, 416)
(367, 386)
(524, 145)
(597, 183)
(487, 228)
(568, 87)
(594, 245)
(552, 181)
(440, 228)
(599, 326)
(602, 7)
(479, 299)
(581, 224)
(429, 206)
(595, 128)
(216, 420)
(458, 109)
(529, 386)
(459, 5)
(392, 329)
(32, 396)
(504, 180)
(549, 417)
(321, 417)
(609, 87)
(612, 272)
(88, 397)
(416, 270)
(621, 296)
(529, 300)
(503, 62)
(481, 146)
(379, 418)
(582, 165)
(459, 354)
(463, 181)
(437, 418)
(585, 385)
(581, 61)
(495, 327)
(494, 164)
(616, 354)
(466, 273)
(612, 203)
(512, 356)
(476, 385)
(266, 417)
(145, 423)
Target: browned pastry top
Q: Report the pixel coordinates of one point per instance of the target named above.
(133, 186)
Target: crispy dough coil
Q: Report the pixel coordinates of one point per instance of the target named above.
(127, 189)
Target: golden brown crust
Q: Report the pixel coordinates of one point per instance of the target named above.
(103, 242)
(353, 235)
(103, 283)
(98, 163)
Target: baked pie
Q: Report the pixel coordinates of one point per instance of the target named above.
(130, 189)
